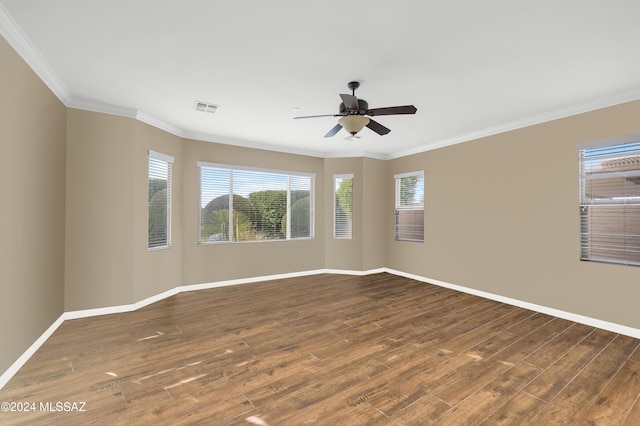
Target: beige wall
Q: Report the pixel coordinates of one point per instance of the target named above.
(375, 191)
(32, 210)
(217, 262)
(100, 206)
(501, 215)
(107, 261)
(343, 253)
(158, 270)
(366, 249)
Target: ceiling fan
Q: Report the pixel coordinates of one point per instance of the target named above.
(353, 112)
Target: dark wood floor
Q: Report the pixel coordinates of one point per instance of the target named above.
(330, 350)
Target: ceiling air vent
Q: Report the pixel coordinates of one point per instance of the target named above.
(205, 107)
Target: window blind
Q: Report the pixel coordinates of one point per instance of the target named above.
(245, 204)
(610, 203)
(343, 206)
(159, 231)
(410, 206)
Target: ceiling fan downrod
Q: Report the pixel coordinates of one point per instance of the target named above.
(353, 85)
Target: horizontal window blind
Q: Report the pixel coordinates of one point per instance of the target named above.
(243, 204)
(610, 203)
(410, 206)
(159, 231)
(343, 206)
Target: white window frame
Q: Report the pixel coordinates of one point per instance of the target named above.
(164, 160)
(344, 234)
(610, 226)
(399, 207)
(231, 169)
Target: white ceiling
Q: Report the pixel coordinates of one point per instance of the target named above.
(472, 68)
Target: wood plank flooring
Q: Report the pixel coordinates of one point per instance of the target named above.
(329, 350)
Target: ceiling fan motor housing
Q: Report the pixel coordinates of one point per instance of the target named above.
(354, 112)
(363, 106)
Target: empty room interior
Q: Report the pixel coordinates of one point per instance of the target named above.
(319, 213)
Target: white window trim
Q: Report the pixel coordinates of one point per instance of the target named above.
(169, 160)
(255, 169)
(160, 156)
(397, 189)
(341, 176)
(595, 145)
(603, 143)
(402, 175)
(397, 178)
(288, 173)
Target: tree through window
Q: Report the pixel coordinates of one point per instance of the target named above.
(343, 206)
(244, 204)
(159, 231)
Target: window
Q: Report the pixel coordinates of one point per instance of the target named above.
(342, 206)
(410, 206)
(159, 235)
(610, 202)
(245, 204)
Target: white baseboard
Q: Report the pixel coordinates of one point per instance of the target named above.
(86, 313)
(216, 284)
(605, 325)
(594, 322)
(17, 365)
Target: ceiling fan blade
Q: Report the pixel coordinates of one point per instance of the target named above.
(350, 102)
(316, 116)
(378, 128)
(333, 131)
(405, 109)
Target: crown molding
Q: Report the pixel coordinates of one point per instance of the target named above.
(576, 109)
(580, 108)
(357, 154)
(159, 124)
(17, 39)
(225, 140)
(104, 108)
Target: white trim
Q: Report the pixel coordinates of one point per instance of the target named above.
(333, 183)
(620, 140)
(27, 51)
(409, 174)
(594, 322)
(158, 124)
(101, 107)
(17, 365)
(255, 169)
(226, 140)
(14, 35)
(160, 156)
(576, 109)
(347, 175)
(119, 309)
(356, 154)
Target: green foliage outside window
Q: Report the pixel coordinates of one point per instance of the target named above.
(345, 196)
(260, 216)
(157, 213)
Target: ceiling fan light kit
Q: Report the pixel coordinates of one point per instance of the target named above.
(353, 111)
(353, 123)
